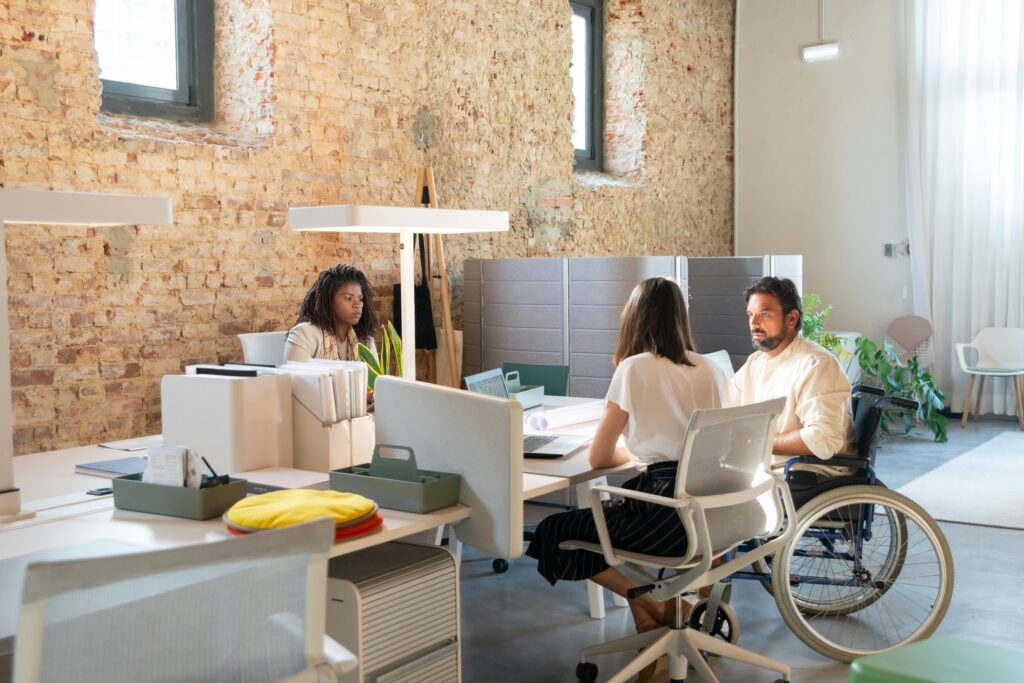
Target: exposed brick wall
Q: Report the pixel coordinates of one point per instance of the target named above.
(318, 103)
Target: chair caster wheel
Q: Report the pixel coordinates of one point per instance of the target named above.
(499, 566)
(586, 671)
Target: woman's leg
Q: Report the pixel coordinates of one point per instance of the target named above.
(647, 613)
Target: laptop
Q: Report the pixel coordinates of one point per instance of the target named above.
(492, 383)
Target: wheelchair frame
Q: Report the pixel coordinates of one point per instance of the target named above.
(832, 535)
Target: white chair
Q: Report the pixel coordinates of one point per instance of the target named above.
(723, 360)
(725, 494)
(248, 609)
(994, 352)
(263, 348)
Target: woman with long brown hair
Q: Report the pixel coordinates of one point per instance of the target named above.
(336, 314)
(659, 381)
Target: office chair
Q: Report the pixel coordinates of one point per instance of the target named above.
(263, 348)
(248, 609)
(554, 378)
(725, 494)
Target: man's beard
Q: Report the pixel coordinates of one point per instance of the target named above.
(768, 343)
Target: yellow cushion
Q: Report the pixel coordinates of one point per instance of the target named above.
(283, 508)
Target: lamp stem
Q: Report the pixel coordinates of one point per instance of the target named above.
(408, 280)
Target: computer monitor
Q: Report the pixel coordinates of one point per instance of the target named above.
(490, 382)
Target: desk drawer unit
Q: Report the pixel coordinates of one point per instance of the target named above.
(396, 606)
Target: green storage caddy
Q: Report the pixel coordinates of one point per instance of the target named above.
(131, 493)
(941, 660)
(397, 484)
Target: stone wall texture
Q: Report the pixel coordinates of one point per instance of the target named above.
(332, 101)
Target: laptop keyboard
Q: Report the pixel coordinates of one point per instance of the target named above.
(535, 441)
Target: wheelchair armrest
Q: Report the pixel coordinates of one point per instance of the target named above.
(866, 389)
(896, 401)
(834, 461)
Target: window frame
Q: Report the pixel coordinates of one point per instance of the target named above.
(193, 100)
(592, 157)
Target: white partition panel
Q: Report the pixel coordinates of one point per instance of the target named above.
(478, 437)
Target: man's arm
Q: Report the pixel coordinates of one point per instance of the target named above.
(791, 443)
(823, 407)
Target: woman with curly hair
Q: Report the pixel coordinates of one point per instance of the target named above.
(336, 314)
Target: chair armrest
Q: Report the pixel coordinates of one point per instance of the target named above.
(960, 356)
(338, 656)
(636, 495)
(866, 389)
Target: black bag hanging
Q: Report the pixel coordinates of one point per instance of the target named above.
(426, 338)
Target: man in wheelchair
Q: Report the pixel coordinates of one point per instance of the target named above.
(816, 424)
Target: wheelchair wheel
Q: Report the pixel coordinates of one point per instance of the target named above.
(868, 569)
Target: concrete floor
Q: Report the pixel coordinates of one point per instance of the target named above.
(517, 628)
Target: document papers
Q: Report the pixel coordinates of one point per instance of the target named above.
(566, 415)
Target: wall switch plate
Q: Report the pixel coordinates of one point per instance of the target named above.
(889, 251)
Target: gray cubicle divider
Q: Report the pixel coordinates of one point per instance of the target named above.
(515, 311)
(478, 437)
(598, 289)
(513, 314)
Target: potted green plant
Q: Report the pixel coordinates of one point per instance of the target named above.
(883, 368)
(390, 350)
(813, 326)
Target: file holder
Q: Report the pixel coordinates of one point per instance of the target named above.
(320, 447)
(131, 493)
(529, 396)
(397, 484)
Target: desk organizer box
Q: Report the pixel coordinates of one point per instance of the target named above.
(397, 484)
(529, 396)
(131, 493)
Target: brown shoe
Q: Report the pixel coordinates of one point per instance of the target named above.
(670, 611)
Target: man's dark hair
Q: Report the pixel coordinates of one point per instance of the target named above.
(782, 289)
(318, 305)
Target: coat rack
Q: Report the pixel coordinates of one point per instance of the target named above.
(426, 196)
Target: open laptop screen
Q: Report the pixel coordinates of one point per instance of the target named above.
(490, 382)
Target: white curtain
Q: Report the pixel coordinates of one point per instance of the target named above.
(966, 177)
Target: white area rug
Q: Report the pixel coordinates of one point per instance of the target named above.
(983, 486)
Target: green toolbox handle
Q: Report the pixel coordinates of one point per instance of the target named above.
(394, 466)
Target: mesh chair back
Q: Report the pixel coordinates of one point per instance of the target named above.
(234, 610)
(263, 348)
(554, 378)
(728, 451)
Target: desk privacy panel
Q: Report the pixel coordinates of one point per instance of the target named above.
(566, 311)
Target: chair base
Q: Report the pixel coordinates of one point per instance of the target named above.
(683, 647)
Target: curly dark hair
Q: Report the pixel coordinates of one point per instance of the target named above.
(318, 304)
(782, 289)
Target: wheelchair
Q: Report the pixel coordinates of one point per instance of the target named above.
(867, 570)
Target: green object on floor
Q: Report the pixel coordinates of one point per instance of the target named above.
(941, 660)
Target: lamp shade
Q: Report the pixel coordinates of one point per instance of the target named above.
(362, 218)
(50, 207)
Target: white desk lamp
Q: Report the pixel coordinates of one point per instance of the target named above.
(48, 207)
(406, 221)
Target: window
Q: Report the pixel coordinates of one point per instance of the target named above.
(156, 57)
(587, 72)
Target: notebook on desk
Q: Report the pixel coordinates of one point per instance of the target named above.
(492, 383)
(113, 468)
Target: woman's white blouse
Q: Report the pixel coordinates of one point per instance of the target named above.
(660, 396)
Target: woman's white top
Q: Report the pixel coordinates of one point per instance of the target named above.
(660, 396)
(306, 341)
